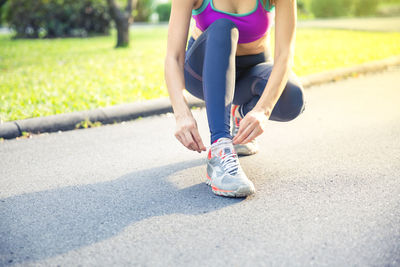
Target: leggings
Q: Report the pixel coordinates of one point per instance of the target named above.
(213, 73)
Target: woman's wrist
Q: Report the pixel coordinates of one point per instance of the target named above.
(265, 110)
(182, 111)
(179, 104)
(182, 115)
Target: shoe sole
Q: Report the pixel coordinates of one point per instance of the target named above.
(240, 192)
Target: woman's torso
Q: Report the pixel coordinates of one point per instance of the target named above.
(241, 12)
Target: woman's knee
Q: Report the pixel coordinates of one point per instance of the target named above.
(222, 24)
(295, 100)
(290, 105)
(223, 30)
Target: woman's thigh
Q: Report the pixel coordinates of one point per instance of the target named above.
(250, 86)
(211, 54)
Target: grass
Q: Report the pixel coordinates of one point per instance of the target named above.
(46, 77)
(320, 50)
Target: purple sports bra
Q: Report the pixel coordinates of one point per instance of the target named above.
(251, 25)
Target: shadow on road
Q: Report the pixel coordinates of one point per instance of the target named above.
(41, 225)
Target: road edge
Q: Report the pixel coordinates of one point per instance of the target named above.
(125, 112)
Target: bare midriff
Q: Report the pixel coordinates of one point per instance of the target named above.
(258, 46)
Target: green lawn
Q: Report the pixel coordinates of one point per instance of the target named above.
(44, 77)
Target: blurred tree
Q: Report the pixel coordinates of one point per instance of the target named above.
(2, 2)
(300, 5)
(303, 10)
(123, 18)
(365, 7)
(57, 18)
(331, 8)
(143, 10)
(163, 11)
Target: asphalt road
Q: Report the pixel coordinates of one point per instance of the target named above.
(328, 191)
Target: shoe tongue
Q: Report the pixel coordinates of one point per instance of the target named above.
(223, 140)
(224, 146)
(228, 150)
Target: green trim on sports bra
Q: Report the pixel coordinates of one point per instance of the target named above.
(269, 8)
(234, 14)
(201, 8)
(205, 3)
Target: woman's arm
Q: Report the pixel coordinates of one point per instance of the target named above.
(285, 31)
(186, 127)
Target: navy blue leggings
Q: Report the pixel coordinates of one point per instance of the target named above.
(213, 73)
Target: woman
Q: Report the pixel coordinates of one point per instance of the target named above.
(227, 63)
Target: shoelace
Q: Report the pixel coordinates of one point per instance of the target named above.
(230, 163)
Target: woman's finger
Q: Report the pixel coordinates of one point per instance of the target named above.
(245, 133)
(256, 132)
(197, 138)
(181, 137)
(243, 125)
(190, 141)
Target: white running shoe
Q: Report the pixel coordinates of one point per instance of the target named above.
(224, 173)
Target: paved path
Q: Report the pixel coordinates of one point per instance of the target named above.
(328, 191)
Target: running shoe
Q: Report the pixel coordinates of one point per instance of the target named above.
(224, 173)
(242, 149)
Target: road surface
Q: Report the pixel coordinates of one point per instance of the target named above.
(328, 191)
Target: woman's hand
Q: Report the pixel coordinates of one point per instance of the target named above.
(251, 126)
(188, 134)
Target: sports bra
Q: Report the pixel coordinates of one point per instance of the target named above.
(251, 25)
